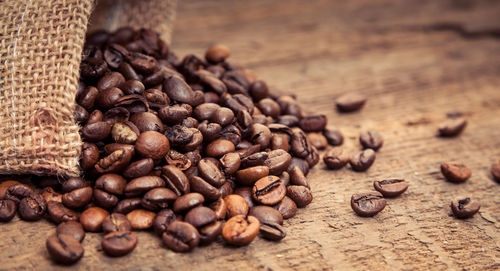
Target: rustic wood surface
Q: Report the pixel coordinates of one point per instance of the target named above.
(416, 61)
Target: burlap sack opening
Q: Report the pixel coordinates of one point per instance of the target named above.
(40, 52)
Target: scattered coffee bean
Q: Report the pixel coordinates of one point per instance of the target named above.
(272, 231)
(464, 207)
(119, 243)
(181, 236)
(363, 160)
(391, 187)
(350, 102)
(116, 222)
(455, 172)
(452, 127)
(7, 210)
(336, 158)
(333, 136)
(164, 218)
(72, 228)
(210, 232)
(64, 249)
(367, 203)
(240, 230)
(58, 213)
(371, 140)
(266, 214)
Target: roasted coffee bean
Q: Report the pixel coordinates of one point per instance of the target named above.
(109, 80)
(391, 187)
(317, 140)
(261, 135)
(119, 243)
(272, 231)
(157, 98)
(236, 205)
(362, 160)
(259, 90)
(269, 107)
(128, 72)
(187, 202)
(143, 184)
(313, 123)
(64, 249)
(127, 205)
(73, 183)
(174, 114)
(285, 177)
(464, 207)
(205, 111)
(220, 208)
(141, 219)
(142, 63)
(211, 82)
(230, 162)
(87, 98)
(495, 170)
(240, 230)
(269, 190)
(266, 214)
(209, 192)
(455, 172)
(139, 168)
(107, 98)
(181, 236)
(179, 135)
(163, 219)
(367, 203)
(217, 53)
(111, 183)
(152, 144)
(112, 147)
(58, 213)
(133, 87)
(104, 199)
(7, 210)
(297, 177)
(90, 156)
(116, 222)
(288, 120)
(115, 162)
(336, 158)
(227, 188)
(249, 176)
(452, 127)
(17, 192)
(299, 144)
(78, 197)
(49, 194)
(180, 160)
(300, 163)
(200, 216)
(301, 195)
(124, 133)
(72, 228)
(147, 121)
(256, 159)
(96, 131)
(277, 161)
(116, 115)
(280, 141)
(175, 179)
(371, 140)
(92, 218)
(223, 116)
(177, 89)
(210, 232)
(158, 198)
(350, 102)
(333, 136)
(211, 173)
(313, 157)
(219, 147)
(286, 207)
(246, 193)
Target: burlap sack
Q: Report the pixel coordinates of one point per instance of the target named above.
(41, 45)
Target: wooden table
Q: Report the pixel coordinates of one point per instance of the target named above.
(416, 61)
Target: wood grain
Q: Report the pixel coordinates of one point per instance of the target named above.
(415, 60)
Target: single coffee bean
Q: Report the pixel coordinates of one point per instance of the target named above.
(249, 176)
(371, 140)
(210, 232)
(64, 249)
(217, 53)
(115, 162)
(119, 243)
(313, 123)
(109, 80)
(220, 208)
(152, 144)
(219, 147)
(177, 90)
(111, 183)
(73, 183)
(297, 177)
(158, 198)
(236, 205)
(465, 207)
(367, 203)
(142, 63)
(32, 207)
(209, 192)
(269, 190)
(286, 207)
(163, 219)
(133, 87)
(143, 184)
(230, 163)
(318, 140)
(72, 228)
(7, 210)
(108, 97)
(182, 161)
(181, 236)
(147, 121)
(112, 147)
(280, 141)
(452, 127)
(272, 231)
(362, 160)
(301, 195)
(455, 172)
(211, 172)
(223, 116)
(269, 107)
(495, 170)
(391, 188)
(187, 202)
(333, 136)
(87, 98)
(277, 161)
(240, 230)
(127, 205)
(96, 131)
(266, 214)
(350, 102)
(175, 179)
(116, 115)
(90, 156)
(78, 197)
(58, 213)
(261, 134)
(200, 216)
(255, 159)
(336, 158)
(246, 193)
(141, 219)
(300, 146)
(259, 90)
(4, 186)
(104, 199)
(92, 218)
(116, 222)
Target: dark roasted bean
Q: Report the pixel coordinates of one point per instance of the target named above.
(200, 216)
(362, 160)
(249, 176)
(158, 198)
(350, 102)
(336, 158)
(64, 249)
(333, 136)
(465, 207)
(368, 203)
(78, 197)
(58, 213)
(72, 228)
(152, 144)
(127, 205)
(7, 210)
(452, 127)
(181, 236)
(116, 222)
(391, 188)
(119, 243)
(272, 231)
(164, 218)
(455, 172)
(187, 202)
(371, 140)
(266, 214)
(175, 179)
(286, 207)
(301, 195)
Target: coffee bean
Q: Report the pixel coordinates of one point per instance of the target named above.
(297, 177)
(391, 187)
(152, 144)
(301, 195)
(49, 194)
(223, 116)
(78, 197)
(219, 147)
(217, 53)
(269, 190)
(269, 107)
(240, 230)
(286, 207)
(158, 198)
(107, 98)
(313, 123)
(142, 63)
(143, 184)
(104, 199)
(230, 162)
(116, 222)
(350, 102)
(227, 188)
(87, 98)
(72, 228)
(73, 184)
(177, 89)
(272, 231)
(4, 186)
(465, 207)
(258, 90)
(249, 176)
(333, 136)
(181, 236)
(115, 162)
(220, 208)
(175, 179)
(318, 140)
(119, 243)
(116, 115)
(261, 135)
(124, 133)
(111, 183)
(127, 205)
(211, 172)
(210, 232)
(17, 192)
(266, 214)
(236, 205)
(200, 216)
(109, 80)
(495, 170)
(301, 164)
(246, 193)
(58, 213)
(141, 219)
(299, 144)
(7, 210)
(133, 87)
(277, 161)
(452, 127)
(455, 172)
(371, 140)
(163, 219)
(255, 159)
(209, 192)
(96, 131)
(64, 249)
(367, 203)
(32, 207)
(187, 202)
(147, 121)
(112, 147)
(90, 156)
(336, 158)
(92, 218)
(362, 160)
